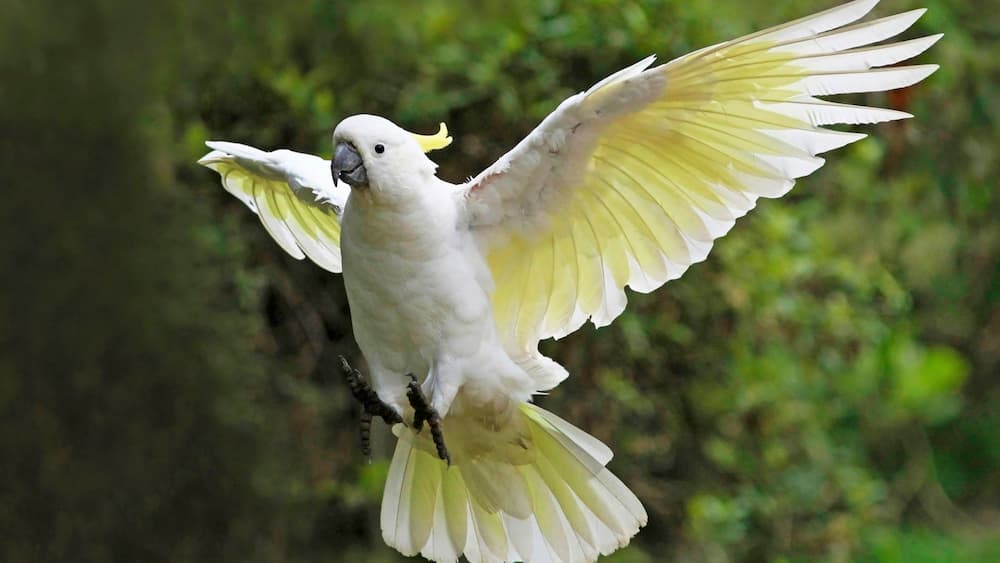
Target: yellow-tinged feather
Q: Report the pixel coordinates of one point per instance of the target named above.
(675, 201)
(610, 242)
(550, 422)
(269, 216)
(545, 496)
(709, 165)
(326, 225)
(305, 233)
(685, 190)
(455, 503)
(298, 215)
(488, 534)
(233, 181)
(566, 279)
(571, 508)
(581, 479)
(591, 280)
(423, 496)
(439, 545)
(640, 241)
(497, 486)
(743, 113)
(723, 153)
(507, 265)
(554, 280)
(649, 270)
(538, 283)
(547, 514)
(732, 123)
(301, 224)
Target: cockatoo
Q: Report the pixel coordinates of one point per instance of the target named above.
(625, 184)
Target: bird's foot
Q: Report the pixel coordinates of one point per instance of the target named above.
(370, 403)
(424, 412)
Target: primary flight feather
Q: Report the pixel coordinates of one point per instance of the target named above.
(626, 184)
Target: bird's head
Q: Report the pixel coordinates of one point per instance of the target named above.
(374, 154)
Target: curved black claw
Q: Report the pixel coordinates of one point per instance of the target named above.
(424, 412)
(371, 405)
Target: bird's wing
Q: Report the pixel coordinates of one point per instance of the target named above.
(630, 182)
(291, 192)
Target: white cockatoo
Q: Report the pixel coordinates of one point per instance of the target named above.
(625, 184)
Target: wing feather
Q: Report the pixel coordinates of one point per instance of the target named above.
(267, 210)
(292, 193)
(630, 182)
(563, 303)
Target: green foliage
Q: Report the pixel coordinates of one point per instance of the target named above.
(823, 388)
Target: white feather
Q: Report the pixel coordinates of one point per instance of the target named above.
(706, 135)
(293, 194)
(576, 507)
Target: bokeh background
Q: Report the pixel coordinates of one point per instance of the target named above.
(824, 388)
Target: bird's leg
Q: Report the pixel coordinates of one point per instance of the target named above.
(366, 435)
(370, 403)
(424, 412)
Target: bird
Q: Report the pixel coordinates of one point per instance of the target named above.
(451, 287)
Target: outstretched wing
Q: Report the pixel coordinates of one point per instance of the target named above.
(291, 192)
(630, 182)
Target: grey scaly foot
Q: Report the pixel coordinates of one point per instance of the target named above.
(424, 412)
(370, 403)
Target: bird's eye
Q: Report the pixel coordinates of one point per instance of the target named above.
(380, 148)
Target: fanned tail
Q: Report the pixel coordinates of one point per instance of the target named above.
(534, 490)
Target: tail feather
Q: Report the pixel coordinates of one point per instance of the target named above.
(488, 538)
(575, 514)
(549, 498)
(454, 511)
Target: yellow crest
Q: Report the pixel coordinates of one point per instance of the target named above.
(434, 142)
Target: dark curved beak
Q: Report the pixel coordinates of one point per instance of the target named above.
(348, 166)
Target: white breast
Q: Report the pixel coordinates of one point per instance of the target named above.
(415, 287)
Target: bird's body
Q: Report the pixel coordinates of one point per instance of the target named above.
(624, 185)
(420, 297)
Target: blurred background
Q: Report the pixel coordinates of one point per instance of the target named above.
(824, 388)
